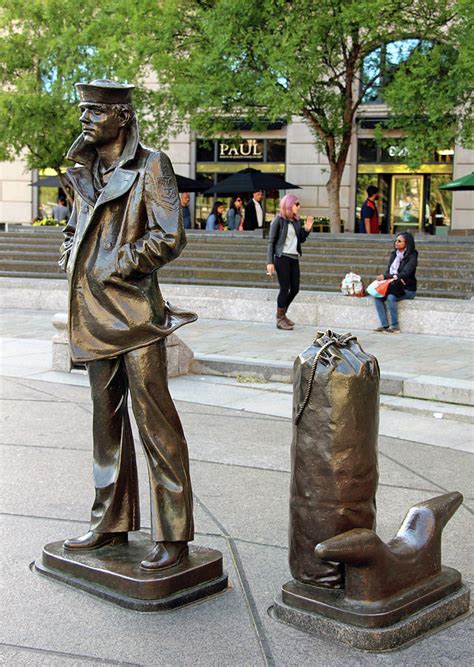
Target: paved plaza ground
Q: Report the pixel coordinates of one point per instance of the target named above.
(239, 434)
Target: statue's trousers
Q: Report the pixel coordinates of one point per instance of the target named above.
(116, 507)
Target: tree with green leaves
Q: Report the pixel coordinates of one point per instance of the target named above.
(431, 93)
(49, 45)
(222, 60)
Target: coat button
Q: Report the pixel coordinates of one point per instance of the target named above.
(84, 208)
(107, 245)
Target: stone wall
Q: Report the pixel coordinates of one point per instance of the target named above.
(16, 193)
(463, 201)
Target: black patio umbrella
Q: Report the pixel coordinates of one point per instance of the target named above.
(184, 184)
(48, 182)
(190, 184)
(250, 180)
(463, 183)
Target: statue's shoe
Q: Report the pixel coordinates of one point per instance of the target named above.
(165, 555)
(92, 540)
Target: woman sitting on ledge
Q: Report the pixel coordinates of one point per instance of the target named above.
(402, 267)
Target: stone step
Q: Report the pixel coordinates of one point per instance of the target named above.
(247, 275)
(251, 241)
(202, 257)
(445, 269)
(172, 279)
(317, 267)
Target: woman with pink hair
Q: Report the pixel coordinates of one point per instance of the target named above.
(287, 233)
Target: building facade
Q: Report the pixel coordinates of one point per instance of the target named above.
(409, 200)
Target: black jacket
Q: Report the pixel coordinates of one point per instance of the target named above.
(277, 236)
(407, 270)
(250, 218)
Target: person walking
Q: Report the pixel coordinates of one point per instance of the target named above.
(215, 219)
(235, 214)
(401, 267)
(287, 233)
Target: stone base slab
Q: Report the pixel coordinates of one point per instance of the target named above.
(113, 573)
(415, 626)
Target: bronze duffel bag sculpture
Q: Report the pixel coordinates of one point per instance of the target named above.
(334, 471)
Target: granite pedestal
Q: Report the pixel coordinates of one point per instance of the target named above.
(364, 626)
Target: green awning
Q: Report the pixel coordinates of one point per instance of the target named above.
(463, 183)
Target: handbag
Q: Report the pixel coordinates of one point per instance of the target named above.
(379, 288)
(352, 285)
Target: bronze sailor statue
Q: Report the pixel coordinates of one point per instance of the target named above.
(126, 224)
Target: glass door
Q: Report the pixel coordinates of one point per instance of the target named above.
(407, 203)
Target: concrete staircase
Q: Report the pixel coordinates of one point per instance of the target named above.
(446, 269)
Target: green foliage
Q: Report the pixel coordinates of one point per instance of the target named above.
(431, 95)
(260, 60)
(49, 45)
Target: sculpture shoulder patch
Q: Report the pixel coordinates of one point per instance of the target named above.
(161, 180)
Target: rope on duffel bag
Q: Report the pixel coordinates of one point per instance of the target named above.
(325, 340)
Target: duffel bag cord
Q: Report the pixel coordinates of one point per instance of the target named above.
(339, 340)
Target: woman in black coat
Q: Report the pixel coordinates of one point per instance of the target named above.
(402, 267)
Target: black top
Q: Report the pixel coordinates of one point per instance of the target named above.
(407, 269)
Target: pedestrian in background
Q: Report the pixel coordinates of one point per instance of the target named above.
(287, 233)
(402, 267)
(235, 216)
(185, 199)
(60, 212)
(215, 219)
(369, 215)
(254, 217)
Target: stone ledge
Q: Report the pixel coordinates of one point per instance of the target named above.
(423, 387)
(435, 317)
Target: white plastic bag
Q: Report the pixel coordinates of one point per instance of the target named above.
(352, 285)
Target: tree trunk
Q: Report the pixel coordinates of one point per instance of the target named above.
(333, 188)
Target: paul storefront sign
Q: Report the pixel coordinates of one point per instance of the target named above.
(250, 149)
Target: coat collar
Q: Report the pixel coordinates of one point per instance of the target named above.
(81, 175)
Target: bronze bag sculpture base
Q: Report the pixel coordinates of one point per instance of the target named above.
(113, 573)
(348, 584)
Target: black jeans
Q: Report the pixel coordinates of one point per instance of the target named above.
(288, 272)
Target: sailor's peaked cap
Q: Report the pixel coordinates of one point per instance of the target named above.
(105, 91)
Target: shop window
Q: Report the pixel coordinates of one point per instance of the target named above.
(276, 150)
(444, 156)
(205, 150)
(367, 150)
(439, 202)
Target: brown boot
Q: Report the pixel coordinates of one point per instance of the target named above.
(282, 322)
(288, 319)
